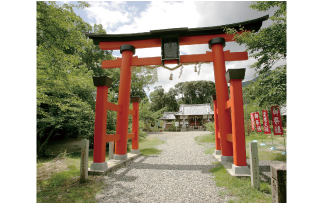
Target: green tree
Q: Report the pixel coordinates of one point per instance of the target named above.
(269, 89)
(196, 92)
(65, 91)
(170, 100)
(267, 46)
(93, 55)
(66, 62)
(141, 78)
(157, 98)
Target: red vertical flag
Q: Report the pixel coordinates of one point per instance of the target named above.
(266, 126)
(252, 120)
(276, 120)
(257, 122)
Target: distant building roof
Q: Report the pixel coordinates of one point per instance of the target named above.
(168, 115)
(194, 109)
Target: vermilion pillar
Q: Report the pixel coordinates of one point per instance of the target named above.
(99, 148)
(216, 124)
(135, 122)
(217, 44)
(235, 77)
(127, 52)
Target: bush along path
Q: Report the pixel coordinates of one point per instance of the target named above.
(181, 173)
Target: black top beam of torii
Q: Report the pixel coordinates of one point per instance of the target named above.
(254, 24)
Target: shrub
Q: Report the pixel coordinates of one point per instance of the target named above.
(210, 126)
(173, 127)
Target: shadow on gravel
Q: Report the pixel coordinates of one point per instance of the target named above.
(116, 192)
(121, 174)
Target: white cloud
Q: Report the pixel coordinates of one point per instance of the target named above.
(158, 15)
(109, 14)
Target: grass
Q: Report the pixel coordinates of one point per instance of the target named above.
(206, 138)
(150, 151)
(63, 186)
(264, 151)
(58, 178)
(269, 155)
(240, 188)
(146, 146)
(210, 150)
(40, 165)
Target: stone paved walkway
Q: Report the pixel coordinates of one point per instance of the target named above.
(180, 174)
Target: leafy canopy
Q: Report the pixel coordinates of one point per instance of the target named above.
(66, 62)
(196, 92)
(268, 46)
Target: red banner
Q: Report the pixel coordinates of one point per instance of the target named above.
(276, 120)
(257, 121)
(252, 121)
(266, 126)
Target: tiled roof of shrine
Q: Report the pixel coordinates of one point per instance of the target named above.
(194, 109)
(168, 115)
(189, 109)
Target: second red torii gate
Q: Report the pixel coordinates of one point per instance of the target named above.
(229, 134)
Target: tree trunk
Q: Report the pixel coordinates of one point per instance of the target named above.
(41, 150)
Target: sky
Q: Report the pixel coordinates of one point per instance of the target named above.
(119, 17)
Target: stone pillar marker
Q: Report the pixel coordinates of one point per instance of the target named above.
(279, 183)
(84, 160)
(254, 165)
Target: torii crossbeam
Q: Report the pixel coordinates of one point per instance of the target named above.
(229, 131)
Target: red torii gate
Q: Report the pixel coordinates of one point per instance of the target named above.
(228, 113)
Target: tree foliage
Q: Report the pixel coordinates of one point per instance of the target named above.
(269, 89)
(196, 92)
(157, 98)
(267, 46)
(191, 92)
(66, 62)
(65, 92)
(170, 100)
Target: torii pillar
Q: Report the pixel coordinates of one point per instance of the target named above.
(127, 52)
(224, 116)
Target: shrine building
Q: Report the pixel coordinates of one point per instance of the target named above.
(194, 116)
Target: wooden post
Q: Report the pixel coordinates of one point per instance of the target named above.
(84, 160)
(111, 150)
(254, 165)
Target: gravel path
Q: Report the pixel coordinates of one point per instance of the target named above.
(180, 174)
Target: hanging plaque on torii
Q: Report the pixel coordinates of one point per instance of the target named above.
(229, 135)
